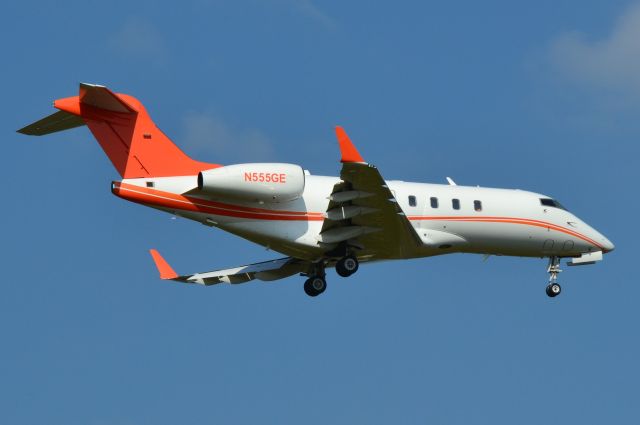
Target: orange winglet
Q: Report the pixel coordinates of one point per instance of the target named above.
(347, 149)
(166, 272)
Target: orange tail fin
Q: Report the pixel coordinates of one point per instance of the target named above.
(124, 130)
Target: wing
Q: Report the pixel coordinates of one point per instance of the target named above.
(268, 270)
(364, 213)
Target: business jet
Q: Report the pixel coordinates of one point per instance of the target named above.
(319, 222)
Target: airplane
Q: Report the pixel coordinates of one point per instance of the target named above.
(319, 222)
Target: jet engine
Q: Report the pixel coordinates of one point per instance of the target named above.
(263, 182)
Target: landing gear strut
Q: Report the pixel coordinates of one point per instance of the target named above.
(553, 288)
(316, 284)
(347, 266)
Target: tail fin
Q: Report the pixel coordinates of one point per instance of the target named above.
(124, 130)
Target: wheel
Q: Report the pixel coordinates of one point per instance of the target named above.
(308, 289)
(347, 266)
(315, 286)
(553, 289)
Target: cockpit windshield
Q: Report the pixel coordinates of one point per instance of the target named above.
(548, 202)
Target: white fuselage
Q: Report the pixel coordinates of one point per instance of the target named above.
(318, 222)
(486, 220)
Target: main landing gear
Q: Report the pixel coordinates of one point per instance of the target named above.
(553, 288)
(347, 266)
(316, 284)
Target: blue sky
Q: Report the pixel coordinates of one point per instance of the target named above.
(543, 96)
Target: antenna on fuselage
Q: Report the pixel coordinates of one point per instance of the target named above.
(451, 182)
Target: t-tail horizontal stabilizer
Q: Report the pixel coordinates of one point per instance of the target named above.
(58, 121)
(136, 147)
(71, 110)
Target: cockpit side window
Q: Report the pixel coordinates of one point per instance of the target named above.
(548, 202)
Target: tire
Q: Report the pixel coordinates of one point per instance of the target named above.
(315, 286)
(318, 284)
(308, 289)
(553, 290)
(547, 290)
(347, 266)
(341, 270)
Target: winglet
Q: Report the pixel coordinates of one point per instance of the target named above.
(166, 272)
(347, 149)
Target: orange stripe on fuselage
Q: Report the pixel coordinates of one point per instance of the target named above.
(144, 195)
(148, 196)
(510, 220)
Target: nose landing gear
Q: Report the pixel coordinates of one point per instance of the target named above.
(553, 288)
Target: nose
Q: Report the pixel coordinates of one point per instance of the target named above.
(607, 245)
(599, 240)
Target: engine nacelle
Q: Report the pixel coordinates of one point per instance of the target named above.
(265, 182)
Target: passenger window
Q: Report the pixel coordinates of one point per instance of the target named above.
(477, 205)
(434, 202)
(412, 201)
(455, 203)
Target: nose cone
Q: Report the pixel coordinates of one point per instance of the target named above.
(597, 239)
(607, 245)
